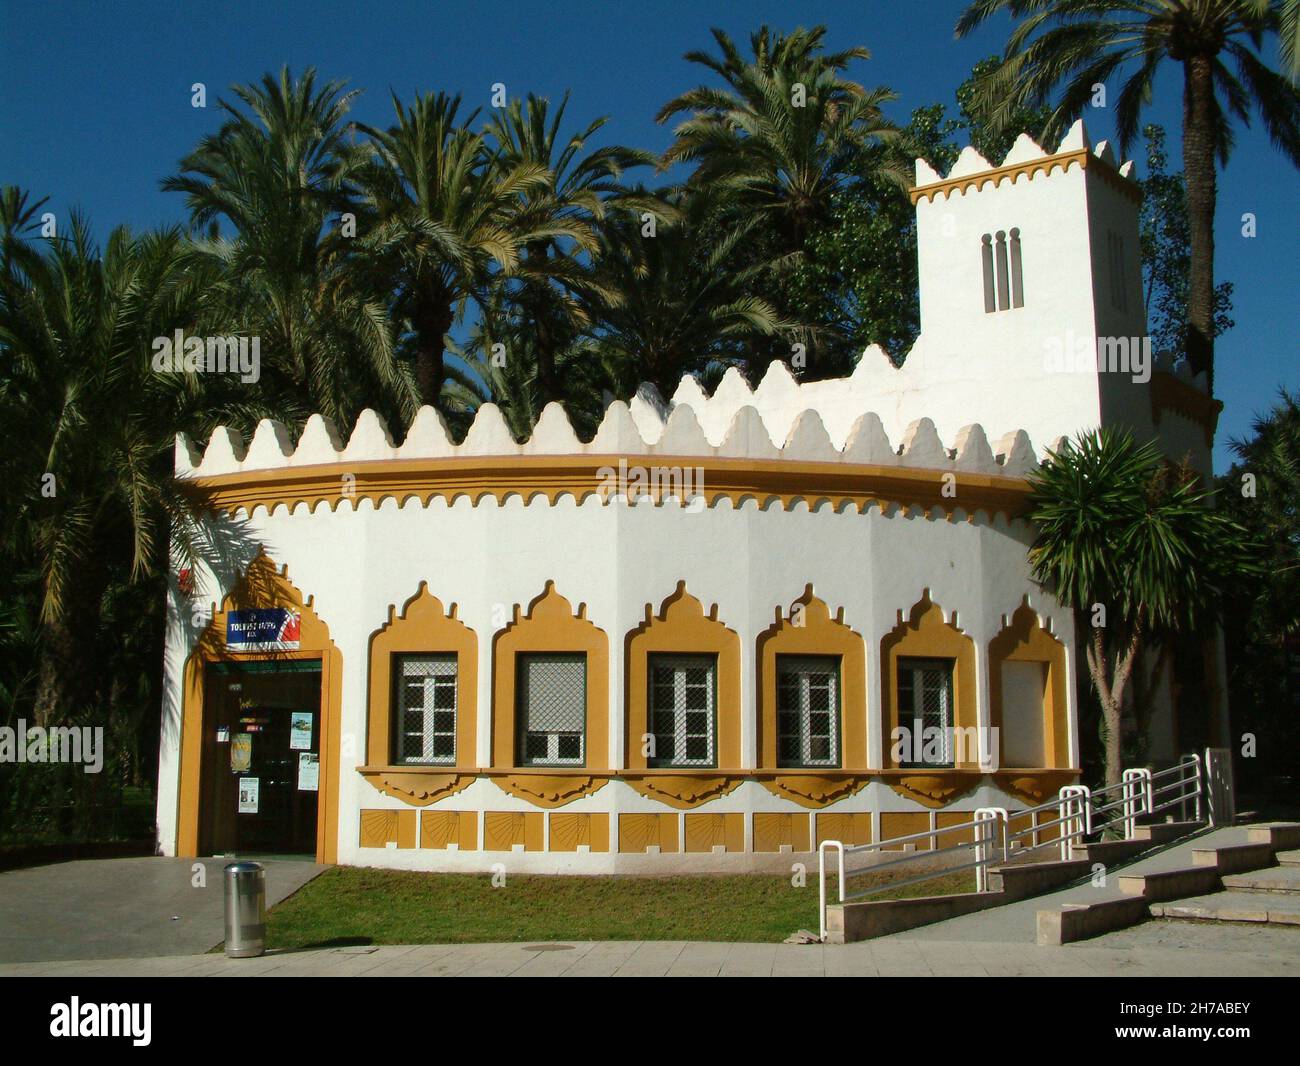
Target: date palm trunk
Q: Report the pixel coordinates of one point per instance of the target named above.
(1202, 194)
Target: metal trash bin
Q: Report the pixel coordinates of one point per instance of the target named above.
(245, 910)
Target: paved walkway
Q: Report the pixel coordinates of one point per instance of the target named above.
(114, 918)
(1277, 954)
(123, 908)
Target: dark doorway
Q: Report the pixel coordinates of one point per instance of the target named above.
(261, 757)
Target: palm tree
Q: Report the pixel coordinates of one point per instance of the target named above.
(553, 272)
(683, 304)
(281, 172)
(1136, 549)
(448, 213)
(1076, 44)
(90, 431)
(784, 133)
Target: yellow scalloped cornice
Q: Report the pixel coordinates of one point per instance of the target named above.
(1170, 393)
(527, 476)
(1031, 167)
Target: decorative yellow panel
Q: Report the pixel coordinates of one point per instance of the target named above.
(704, 832)
(849, 829)
(904, 823)
(380, 828)
(438, 829)
(960, 836)
(636, 832)
(502, 830)
(568, 831)
(773, 830)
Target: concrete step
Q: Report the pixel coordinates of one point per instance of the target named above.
(1285, 879)
(1110, 852)
(1164, 832)
(1233, 907)
(1170, 884)
(1279, 834)
(1288, 858)
(1234, 858)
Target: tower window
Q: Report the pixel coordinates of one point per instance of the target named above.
(1004, 285)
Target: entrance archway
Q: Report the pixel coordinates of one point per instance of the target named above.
(262, 588)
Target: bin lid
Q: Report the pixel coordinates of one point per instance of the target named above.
(244, 868)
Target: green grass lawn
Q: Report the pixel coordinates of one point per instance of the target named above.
(362, 906)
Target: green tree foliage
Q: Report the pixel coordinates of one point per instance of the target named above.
(1167, 253)
(1136, 548)
(1262, 613)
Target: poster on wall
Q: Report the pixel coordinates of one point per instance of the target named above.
(241, 752)
(263, 629)
(308, 771)
(249, 787)
(300, 723)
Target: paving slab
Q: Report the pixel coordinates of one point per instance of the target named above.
(139, 907)
(1274, 879)
(1272, 908)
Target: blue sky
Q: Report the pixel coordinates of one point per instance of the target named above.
(95, 105)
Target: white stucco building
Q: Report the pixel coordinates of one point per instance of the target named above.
(688, 642)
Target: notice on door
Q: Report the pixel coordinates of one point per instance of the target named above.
(308, 771)
(249, 787)
(241, 753)
(300, 731)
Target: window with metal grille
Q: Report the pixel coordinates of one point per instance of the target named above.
(552, 711)
(807, 710)
(426, 708)
(924, 706)
(681, 706)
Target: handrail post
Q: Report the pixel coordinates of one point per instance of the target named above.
(985, 841)
(1076, 810)
(821, 879)
(1138, 795)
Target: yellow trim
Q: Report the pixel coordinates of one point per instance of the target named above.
(477, 477)
(810, 630)
(551, 626)
(682, 627)
(1169, 392)
(422, 628)
(925, 634)
(1031, 167)
(771, 831)
(1022, 639)
(262, 586)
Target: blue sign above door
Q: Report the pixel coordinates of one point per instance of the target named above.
(263, 629)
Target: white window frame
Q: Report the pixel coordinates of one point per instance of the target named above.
(553, 737)
(431, 683)
(918, 666)
(803, 666)
(679, 663)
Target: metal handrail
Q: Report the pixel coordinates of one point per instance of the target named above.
(1075, 808)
